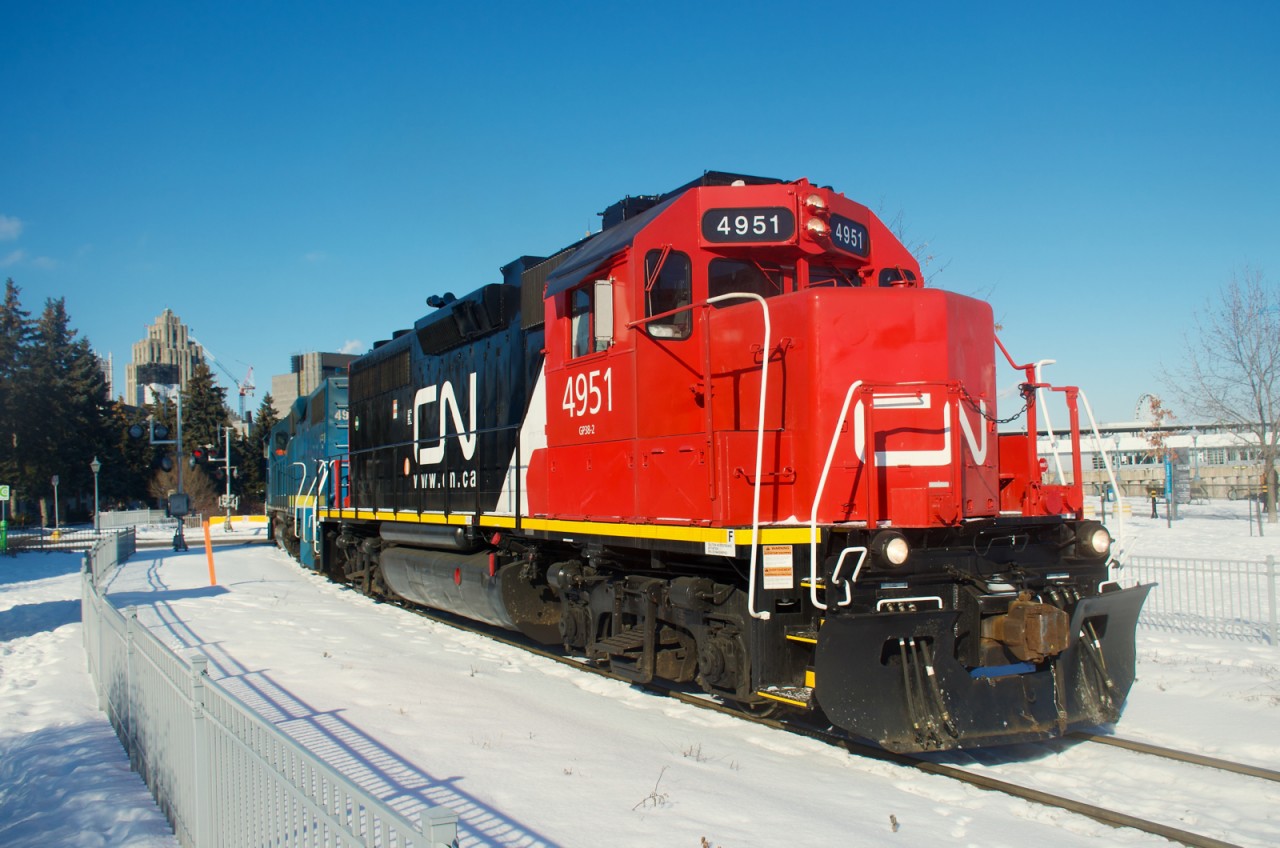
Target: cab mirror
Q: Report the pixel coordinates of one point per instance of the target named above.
(602, 320)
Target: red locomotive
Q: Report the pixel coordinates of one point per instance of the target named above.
(734, 439)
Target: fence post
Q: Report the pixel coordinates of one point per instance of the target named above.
(1271, 599)
(202, 829)
(440, 826)
(126, 720)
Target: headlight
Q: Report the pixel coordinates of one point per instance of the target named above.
(1093, 540)
(814, 203)
(817, 228)
(891, 548)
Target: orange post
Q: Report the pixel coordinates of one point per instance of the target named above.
(208, 552)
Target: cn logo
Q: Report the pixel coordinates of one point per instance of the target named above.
(444, 398)
(940, 455)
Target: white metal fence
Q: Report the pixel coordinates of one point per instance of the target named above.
(223, 775)
(131, 518)
(122, 518)
(1224, 598)
(42, 539)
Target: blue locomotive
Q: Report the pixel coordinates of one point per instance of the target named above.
(307, 469)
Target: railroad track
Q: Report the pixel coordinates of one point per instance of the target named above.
(1180, 756)
(1105, 815)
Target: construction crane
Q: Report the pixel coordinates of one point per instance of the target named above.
(244, 387)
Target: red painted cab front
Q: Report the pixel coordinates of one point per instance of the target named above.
(878, 394)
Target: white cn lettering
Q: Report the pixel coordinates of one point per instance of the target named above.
(448, 404)
(939, 456)
(979, 450)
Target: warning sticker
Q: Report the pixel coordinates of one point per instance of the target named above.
(725, 548)
(778, 573)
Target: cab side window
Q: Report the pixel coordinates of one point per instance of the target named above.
(668, 278)
(580, 322)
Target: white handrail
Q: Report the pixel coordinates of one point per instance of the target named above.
(321, 481)
(764, 389)
(1048, 425)
(297, 497)
(822, 485)
(1111, 476)
(861, 551)
(301, 506)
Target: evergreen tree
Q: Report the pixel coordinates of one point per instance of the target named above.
(63, 398)
(204, 413)
(163, 413)
(15, 335)
(252, 457)
(204, 410)
(128, 463)
(55, 417)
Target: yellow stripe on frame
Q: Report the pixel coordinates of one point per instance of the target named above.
(742, 537)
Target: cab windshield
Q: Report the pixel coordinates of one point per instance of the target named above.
(725, 276)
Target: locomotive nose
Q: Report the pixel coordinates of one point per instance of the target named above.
(894, 678)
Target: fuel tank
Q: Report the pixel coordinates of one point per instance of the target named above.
(472, 585)
(453, 582)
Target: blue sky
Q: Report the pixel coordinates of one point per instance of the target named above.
(290, 177)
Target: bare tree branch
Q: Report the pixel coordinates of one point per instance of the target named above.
(1230, 372)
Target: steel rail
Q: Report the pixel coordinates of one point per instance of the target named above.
(1112, 818)
(1180, 756)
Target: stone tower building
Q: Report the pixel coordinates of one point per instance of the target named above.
(166, 356)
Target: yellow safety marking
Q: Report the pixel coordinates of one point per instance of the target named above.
(810, 679)
(796, 637)
(775, 697)
(1091, 509)
(720, 535)
(698, 535)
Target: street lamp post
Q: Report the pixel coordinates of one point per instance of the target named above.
(95, 467)
(55, 506)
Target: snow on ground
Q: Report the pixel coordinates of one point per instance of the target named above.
(64, 779)
(532, 753)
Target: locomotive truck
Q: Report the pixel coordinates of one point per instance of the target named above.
(734, 440)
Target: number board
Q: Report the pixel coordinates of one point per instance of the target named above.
(849, 236)
(751, 224)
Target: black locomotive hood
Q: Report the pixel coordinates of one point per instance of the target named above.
(598, 249)
(622, 222)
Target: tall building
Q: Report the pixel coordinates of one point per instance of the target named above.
(166, 356)
(106, 364)
(306, 370)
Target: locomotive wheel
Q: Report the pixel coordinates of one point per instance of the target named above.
(761, 708)
(372, 583)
